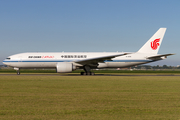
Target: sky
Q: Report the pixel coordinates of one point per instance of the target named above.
(88, 26)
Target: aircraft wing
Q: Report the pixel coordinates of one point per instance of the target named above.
(96, 60)
(159, 56)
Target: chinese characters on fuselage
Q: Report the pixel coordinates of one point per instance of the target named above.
(74, 56)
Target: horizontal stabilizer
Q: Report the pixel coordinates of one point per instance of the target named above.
(159, 56)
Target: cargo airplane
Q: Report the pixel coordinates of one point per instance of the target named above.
(65, 62)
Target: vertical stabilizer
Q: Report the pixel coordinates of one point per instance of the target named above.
(154, 43)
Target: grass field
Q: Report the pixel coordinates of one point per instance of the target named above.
(175, 71)
(90, 97)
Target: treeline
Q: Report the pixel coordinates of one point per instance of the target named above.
(154, 67)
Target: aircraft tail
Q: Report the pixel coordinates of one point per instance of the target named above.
(154, 43)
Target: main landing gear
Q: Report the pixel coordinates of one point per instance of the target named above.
(87, 71)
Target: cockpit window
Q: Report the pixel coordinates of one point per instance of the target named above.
(8, 58)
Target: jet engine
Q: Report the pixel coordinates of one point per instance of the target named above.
(65, 67)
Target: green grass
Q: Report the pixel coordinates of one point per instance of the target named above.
(89, 97)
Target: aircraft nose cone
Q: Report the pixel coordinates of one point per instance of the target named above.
(5, 63)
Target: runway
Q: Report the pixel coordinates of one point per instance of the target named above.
(25, 74)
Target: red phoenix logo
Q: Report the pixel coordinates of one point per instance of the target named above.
(155, 44)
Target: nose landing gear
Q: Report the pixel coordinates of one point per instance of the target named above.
(18, 72)
(17, 69)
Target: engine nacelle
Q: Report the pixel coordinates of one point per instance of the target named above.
(64, 67)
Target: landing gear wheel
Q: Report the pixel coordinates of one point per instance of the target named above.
(92, 73)
(18, 73)
(89, 73)
(83, 73)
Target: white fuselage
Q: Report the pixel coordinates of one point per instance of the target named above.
(50, 60)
